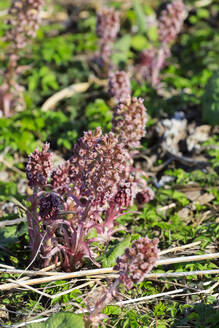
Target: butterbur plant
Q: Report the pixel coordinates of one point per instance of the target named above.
(119, 86)
(129, 121)
(132, 267)
(152, 60)
(107, 28)
(86, 194)
(23, 22)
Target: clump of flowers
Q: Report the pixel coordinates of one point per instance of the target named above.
(88, 192)
(152, 60)
(39, 167)
(132, 266)
(98, 165)
(119, 86)
(144, 196)
(137, 261)
(23, 22)
(129, 121)
(107, 28)
(171, 21)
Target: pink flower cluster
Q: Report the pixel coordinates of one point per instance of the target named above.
(39, 167)
(107, 24)
(119, 85)
(144, 196)
(133, 265)
(171, 21)
(107, 28)
(137, 261)
(49, 206)
(129, 121)
(152, 60)
(98, 166)
(60, 179)
(23, 21)
(90, 191)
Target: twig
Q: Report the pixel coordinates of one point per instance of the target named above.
(188, 259)
(186, 160)
(29, 273)
(178, 248)
(181, 274)
(167, 207)
(33, 260)
(24, 285)
(53, 266)
(50, 267)
(69, 92)
(12, 222)
(173, 293)
(8, 165)
(65, 93)
(63, 276)
(70, 290)
(150, 297)
(6, 267)
(23, 324)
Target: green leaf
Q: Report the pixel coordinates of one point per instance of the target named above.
(139, 42)
(118, 250)
(9, 235)
(121, 50)
(61, 320)
(210, 107)
(112, 309)
(140, 17)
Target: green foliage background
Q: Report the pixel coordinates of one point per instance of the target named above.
(60, 56)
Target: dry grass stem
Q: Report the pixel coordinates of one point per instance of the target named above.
(51, 267)
(179, 248)
(65, 93)
(24, 285)
(62, 276)
(174, 293)
(167, 207)
(69, 92)
(24, 324)
(12, 222)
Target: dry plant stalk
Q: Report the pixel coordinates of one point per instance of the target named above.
(53, 276)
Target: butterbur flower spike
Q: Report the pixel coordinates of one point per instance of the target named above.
(129, 122)
(23, 21)
(119, 85)
(170, 21)
(144, 196)
(133, 265)
(153, 60)
(137, 261)
(98, 166)
(49, 205)
(39, 167)
(107, 24)
(60, 178)
(90, 191)
(107, 28)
